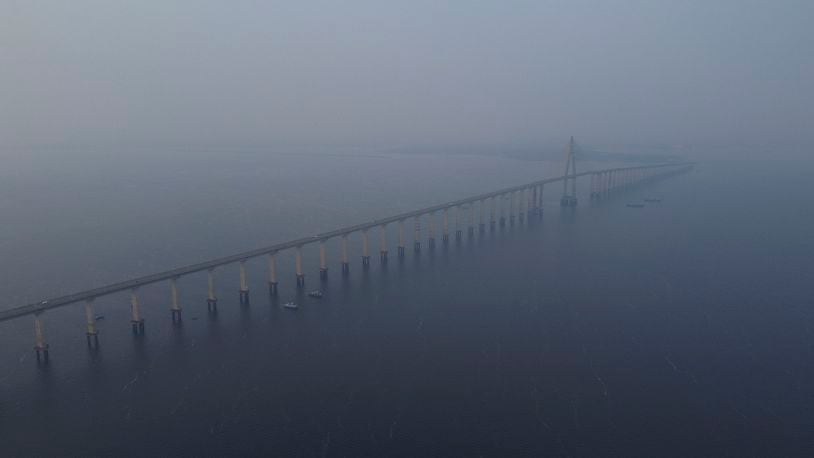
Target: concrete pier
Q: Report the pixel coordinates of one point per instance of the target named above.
(540, 204)
(136, 321)
(344, 253)
(417, 240)
(383, 244)
(492, 222)
(521, 206)
(445, 226)
(298, 267)
(323, 261)
(272, 260)
(402, 243)
(481, 216)
(431, 230)
(470, 228)
(40, 347)
(211, 298)
(91, 334)
(534, 205)
(458, 231)
(511, 208)
(244, 284)
(175, 308)
(502, 210)
(531, 193)
(365, 252)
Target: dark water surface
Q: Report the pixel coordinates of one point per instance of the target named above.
(683, 328)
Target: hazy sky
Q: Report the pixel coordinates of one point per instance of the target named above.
(399, 73)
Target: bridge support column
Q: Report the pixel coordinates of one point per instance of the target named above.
(244, 284)
(211, 299)
(502, 210)
(458, 232)
(344, 248)
(445, 227)
(470, 228)
(593, 186)
(298, 267)
(323, 261)
(92, 334)
(431, 230)
(417, 241)
(492, 222)
(272, 260)
(521, 206)
(481, 216)
(136, 321)
(365, 254)
(40, 347)
(511, 208)
(402, 245)
(383, 244)
(175, 308)
(540, 205)
(531, 193)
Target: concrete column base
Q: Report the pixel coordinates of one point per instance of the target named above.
(568, 201)
(417, 246)
(93, 339)
(138, 326)
(244, 297)
(365, 261)
(383, 256)
(300, 280)
(323, 273)
(345, 268)
(212, 304)
(42, 352)
(401, 252)
(445, 238)
(176, 315)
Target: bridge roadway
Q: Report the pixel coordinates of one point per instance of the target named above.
(42, 306)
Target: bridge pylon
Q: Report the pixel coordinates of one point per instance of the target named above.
(569, 183)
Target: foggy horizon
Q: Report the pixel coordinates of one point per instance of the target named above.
(694, 76)
(425, 228)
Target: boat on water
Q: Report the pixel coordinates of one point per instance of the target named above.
(635, 205)
(291, 305)
(315, 293)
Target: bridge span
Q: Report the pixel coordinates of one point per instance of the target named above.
(519, 202)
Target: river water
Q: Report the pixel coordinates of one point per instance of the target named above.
(682, 328)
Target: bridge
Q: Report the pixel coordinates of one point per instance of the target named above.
(517, 202)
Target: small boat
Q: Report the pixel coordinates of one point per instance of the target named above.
(291, 305)
(315, 293)
(99, 317)
(652, 200)
(635, 205)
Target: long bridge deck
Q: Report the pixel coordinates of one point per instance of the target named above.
(39, 307)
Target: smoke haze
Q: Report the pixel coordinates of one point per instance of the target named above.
(726, 74)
